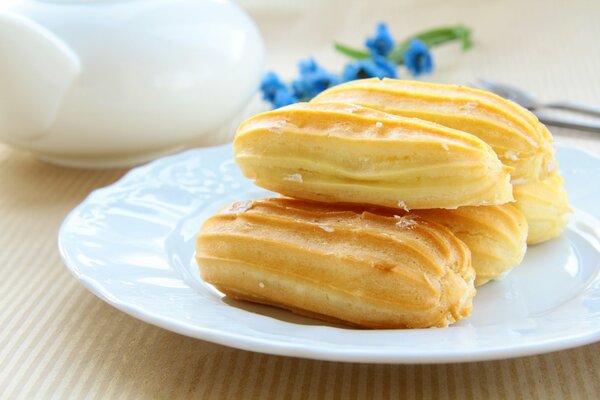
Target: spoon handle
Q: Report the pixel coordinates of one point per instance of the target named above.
(583, 108)
(568, 123)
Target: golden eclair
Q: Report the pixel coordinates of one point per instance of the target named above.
(335, 152)
(496, 236)
(546, 207)
(514, 133)
(338, 263)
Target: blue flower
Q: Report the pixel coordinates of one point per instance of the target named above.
(313, 80)
(378, 67)
(417, 58)
(387, 68)
(275, 91)
(382, 43)
(284, 97)
(308, 66)
(270, 85)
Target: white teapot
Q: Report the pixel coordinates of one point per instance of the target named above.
(102, 83)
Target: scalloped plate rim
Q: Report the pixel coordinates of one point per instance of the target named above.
(269, 346)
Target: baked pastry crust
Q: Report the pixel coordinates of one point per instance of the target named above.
(338, 263)
(335, 152)
(545, 205)
(514, 133)
(496, 236)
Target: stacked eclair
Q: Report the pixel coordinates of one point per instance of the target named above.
(399, 198)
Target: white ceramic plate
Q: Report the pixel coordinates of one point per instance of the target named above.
(132, 244)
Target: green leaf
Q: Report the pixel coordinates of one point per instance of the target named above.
(351, 52)
(431, 37)
(434, 37)
(464, 34)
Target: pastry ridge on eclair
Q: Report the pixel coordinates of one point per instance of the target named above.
(338, 263)
(336, 152)
(545, 205)
(496, 236)
(514, 133)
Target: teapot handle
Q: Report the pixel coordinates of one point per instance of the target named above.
(36, 71)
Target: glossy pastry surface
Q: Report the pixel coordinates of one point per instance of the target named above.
(338, 263)
(496, 236)
(335, 152)
(514, 133)
(545, 205)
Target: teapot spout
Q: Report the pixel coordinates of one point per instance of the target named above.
(36, 70)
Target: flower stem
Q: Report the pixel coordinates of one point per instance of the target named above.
(351, 52)
(431, 38)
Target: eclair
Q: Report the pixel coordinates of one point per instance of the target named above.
(496, 236)
(338, 263)
(515, 134)
(344, 153)
(546, 207)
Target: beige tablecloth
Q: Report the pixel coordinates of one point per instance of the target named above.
(58, 340)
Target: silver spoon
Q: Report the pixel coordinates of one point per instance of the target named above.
(528, 101)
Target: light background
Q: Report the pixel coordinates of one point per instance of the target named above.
(58, 340)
